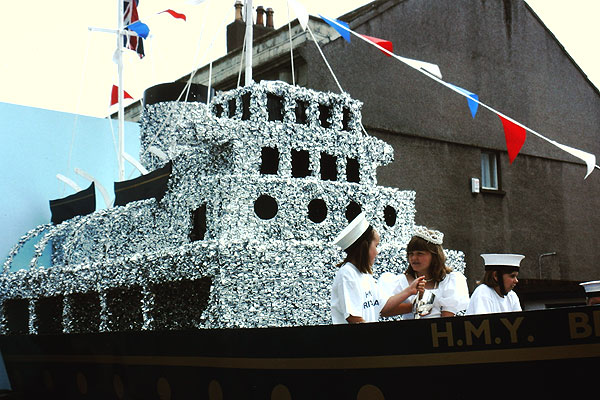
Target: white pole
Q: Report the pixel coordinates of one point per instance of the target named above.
(248, 42)
(120, 73)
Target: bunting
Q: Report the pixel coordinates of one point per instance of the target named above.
(340, 26)
(301, 13)
(114, 95)
(515, 136)
(386, 44)
(472, 99)
(174, 14)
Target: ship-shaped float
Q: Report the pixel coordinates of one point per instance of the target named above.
(219, 283)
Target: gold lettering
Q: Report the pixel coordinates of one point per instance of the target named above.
(578, 325)
(512, 328)
(484, 328)
(437, 335)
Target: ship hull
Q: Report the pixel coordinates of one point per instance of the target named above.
(533, 352)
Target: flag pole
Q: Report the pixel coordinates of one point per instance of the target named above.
(120, 77)
(249, 38)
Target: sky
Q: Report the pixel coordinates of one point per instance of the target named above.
(52, 60)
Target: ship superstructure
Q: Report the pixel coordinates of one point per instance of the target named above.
(262, 179)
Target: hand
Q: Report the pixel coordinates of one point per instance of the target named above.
(417, 286)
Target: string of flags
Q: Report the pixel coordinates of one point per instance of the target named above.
(515, 133)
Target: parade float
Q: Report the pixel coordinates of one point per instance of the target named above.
(210, 277)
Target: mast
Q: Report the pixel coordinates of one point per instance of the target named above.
(249, 40)
(121, 112)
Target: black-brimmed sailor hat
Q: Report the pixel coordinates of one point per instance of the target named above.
(352, 232)
(502, 260)
(592, 288)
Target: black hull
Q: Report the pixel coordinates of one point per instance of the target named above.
(504, 355)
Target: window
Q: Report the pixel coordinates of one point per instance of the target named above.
(489, 171)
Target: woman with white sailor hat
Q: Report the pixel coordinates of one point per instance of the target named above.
(355, 295)
(495, 293)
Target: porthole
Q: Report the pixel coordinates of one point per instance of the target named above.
(389, 215)
(317, 210)
(265, 207)
(352, 210)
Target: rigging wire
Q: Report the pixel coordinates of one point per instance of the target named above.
(291, 47)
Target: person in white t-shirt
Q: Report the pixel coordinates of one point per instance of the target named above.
(355, 294)
(495, 294)
(446, 294)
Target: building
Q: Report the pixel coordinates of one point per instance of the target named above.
(539, 205)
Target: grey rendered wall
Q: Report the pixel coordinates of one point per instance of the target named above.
(499, 50)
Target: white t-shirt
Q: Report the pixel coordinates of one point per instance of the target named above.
(354, 293)
(451, 294)
(485, 300)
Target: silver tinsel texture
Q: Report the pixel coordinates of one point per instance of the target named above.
(262, 260)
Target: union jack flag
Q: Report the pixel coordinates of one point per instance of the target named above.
(130, 15)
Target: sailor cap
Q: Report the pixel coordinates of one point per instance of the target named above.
(352, 232)
(508, 260)
(592, 288)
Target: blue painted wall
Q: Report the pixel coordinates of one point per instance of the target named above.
(37, 144)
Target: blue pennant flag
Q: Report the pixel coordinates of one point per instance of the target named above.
(470, 97)
(140, 28)
(345, 34)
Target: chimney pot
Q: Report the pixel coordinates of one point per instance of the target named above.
(270, 13)
(238, 10)
(260, 12)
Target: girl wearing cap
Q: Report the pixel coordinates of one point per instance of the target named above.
(355, 294)
(495, 293)
(448, 289)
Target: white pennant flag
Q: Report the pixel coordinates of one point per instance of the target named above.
(433, 69)
(195, 2)
(588, 158)
(301, 13)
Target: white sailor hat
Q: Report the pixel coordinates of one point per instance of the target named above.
(352, 232)
(506, 260)
(592, 288)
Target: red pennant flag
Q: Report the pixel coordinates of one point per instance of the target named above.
(386, 44)
(174, 14)
(515, 136)
(114, 95)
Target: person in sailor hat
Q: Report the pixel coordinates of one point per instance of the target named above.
(355, 294)
(495, 293)
(592, 292)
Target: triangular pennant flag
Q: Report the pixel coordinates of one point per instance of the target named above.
(425, 66)
(386, 44)
(175, 14)
(335, 24)
(588, 158)
(470, 97)
(301, 13)
(515, 136)
(195, 2)
(114, 95)
(140, 28)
